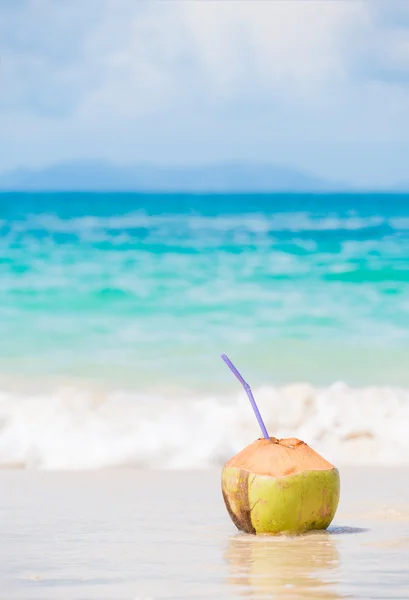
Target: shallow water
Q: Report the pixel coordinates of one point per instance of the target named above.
(153, 535)
(144, 290)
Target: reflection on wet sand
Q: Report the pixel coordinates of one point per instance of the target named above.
(284, 567)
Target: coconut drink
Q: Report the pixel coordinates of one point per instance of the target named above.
(278, 486)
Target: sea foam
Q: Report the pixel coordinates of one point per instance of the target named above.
(77, 429)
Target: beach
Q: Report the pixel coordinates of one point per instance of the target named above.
(204, 239)
(139, 535)
(117, 413)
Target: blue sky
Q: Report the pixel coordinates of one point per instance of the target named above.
(319, 85)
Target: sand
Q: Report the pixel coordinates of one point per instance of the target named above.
(145, 535)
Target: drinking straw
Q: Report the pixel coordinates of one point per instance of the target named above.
(249, 394)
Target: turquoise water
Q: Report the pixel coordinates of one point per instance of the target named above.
(146, 291)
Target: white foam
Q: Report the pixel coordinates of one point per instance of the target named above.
(253, 222)
(73, 429)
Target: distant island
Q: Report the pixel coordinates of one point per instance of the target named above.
(224, 177)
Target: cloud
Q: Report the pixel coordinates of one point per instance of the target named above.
(316, 84)
(41, 46)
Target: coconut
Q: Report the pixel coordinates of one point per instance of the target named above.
(280, 486)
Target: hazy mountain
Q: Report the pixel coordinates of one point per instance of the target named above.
(99, 176)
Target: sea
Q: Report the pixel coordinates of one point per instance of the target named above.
(116, 307)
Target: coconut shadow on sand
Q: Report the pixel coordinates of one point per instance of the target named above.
(296, 566)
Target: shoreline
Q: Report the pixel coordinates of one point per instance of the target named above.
(160, 534)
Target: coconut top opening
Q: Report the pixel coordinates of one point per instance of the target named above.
(278, 458)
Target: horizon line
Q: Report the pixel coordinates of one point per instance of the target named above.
(226, 192)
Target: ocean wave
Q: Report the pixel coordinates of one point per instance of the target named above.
(140, 222)
(76, 429)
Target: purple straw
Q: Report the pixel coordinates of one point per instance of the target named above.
(249, 394)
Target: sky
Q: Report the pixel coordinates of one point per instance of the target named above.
(322, 86)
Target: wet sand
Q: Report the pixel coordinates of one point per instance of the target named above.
(145, 535)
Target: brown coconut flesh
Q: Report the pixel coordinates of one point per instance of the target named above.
(279, 458)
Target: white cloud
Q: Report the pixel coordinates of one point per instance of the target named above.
(295, 81)
(284, 46)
